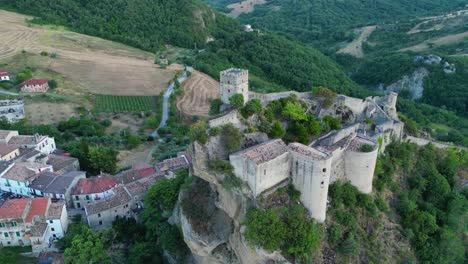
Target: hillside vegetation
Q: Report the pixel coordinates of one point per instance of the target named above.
(313, 21)
(146, 24)
(276, 63)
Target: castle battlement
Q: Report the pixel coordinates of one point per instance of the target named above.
(234, 81)
(349, 154)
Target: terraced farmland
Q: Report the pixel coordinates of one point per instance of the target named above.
(119, 104)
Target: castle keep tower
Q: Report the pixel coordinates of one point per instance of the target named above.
(234, 81)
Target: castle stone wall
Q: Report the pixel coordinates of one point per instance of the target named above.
(360, 168)
(234, 81)
(230, 118)
(266, 98)
(271, 173)
(312, 177)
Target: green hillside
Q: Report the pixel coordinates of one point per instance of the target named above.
(146, 24)
(313, 21)
(277, 63)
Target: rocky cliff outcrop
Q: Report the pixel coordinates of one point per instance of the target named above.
(413, 83)
(220, 238)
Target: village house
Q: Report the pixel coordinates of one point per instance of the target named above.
(6, 135)
(8, 152)
(63, 163)
(16, 177)
(12, 110)
(169, 166)
(43, 144)
(136, 173)
(138, 189)
(4, 75)
(101, 214)
(56, 185)
(35, 86)
(125, 202)
(32, 221)
(90, 190)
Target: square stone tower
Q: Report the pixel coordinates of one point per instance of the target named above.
(234, 81)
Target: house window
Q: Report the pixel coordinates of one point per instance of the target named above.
(52, 229)
(14, 223)
(324, 170)
(18, 234)
(54, 235)
(2, 225)
(98, 215)
(78, 205)
(6, 234)
(51, 221)
(87, 197)
(19, 184)
(77, 198)
(264, 172)
(100, 222)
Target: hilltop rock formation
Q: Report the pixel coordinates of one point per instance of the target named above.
(220, 238)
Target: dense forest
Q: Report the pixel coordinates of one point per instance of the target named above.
(146, 24)
(313, 21)
(274, 59)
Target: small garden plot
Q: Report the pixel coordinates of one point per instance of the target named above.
(119, 104)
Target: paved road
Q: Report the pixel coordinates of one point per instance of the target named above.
(423, 142)
(167, 95)
(7, 92)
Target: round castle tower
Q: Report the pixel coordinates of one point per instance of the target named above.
(234, 81)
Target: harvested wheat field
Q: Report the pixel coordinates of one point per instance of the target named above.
(103, 67)
(198, 90)
(355, 47)
(446, 40)
(246, 6)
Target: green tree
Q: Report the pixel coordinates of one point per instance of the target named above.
(231, 137)
(265, 229)
(254, 106)
(215, 105)
(52, 84)
(237, 101)
(86, 248)
(103, 159)
(332, 122)
(198, 132)
(277, 130)
(294, 111)
(313, 126)
(303, 234)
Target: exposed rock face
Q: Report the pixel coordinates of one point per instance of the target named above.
(413, 83)
(223, 240)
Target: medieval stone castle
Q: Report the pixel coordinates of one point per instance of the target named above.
(349, 154)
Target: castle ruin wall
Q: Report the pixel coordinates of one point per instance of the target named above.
(360, 167)
(312, 177)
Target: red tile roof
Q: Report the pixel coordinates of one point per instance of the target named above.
(35, 82)
(38, 207)
(94, 185)
(4, 72)
(13, 208)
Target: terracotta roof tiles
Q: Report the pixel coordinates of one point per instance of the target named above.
(98, 184)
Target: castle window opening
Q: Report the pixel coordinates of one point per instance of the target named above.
(324, 170)
(264, 172)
